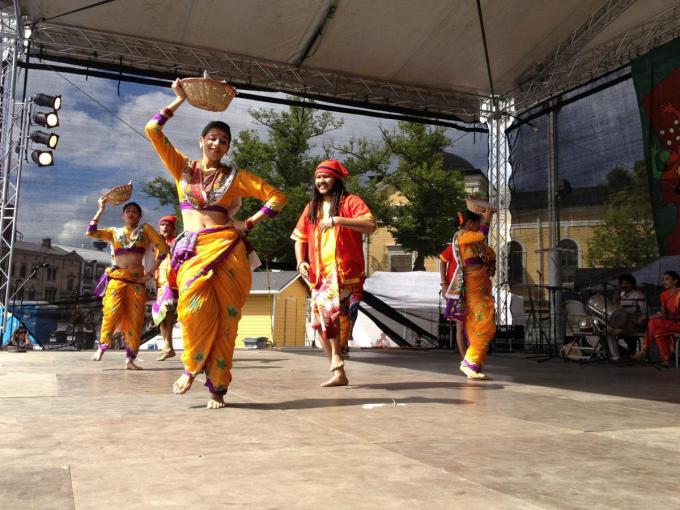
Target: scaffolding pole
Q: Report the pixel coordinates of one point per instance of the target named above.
(12, 131)
(496, 114)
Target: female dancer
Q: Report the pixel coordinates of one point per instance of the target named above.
(122, 285)
(164, 310)
(210, 256)
(329, 252)
(661, 328)
(470, 298)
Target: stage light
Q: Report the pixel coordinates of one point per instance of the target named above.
(43, 158)
(53, 102)
(50, 119)
(49, 139)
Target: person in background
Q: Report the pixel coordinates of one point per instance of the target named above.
(662, 327)
(122, 286)
(164, 309)
(20, 339)
(447, 267)
(633, 301)
(470, 296)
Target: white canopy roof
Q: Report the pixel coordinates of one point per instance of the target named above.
(424, 55)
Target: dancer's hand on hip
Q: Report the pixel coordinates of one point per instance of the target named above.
(303, 269)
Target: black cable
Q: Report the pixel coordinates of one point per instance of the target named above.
(164, 80)
(486, 49)
(96, 4)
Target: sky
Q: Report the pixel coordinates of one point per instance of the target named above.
(102, 145)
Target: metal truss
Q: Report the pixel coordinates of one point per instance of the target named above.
(495, 112)
(14, 118)
(90, 48)
(570, 67)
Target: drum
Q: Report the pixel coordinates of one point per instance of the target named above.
(615, 317)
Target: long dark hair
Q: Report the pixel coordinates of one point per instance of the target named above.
(316, 200)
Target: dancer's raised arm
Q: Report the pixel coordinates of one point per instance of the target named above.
(172, 158)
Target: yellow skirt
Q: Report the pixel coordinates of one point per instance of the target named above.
(480, 323)
(213, 287)
(123, 307)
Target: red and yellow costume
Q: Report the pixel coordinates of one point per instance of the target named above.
(469, 293)
(213, 271)
(166, 283)
(336, 262)
(660, 329)
(123, 296)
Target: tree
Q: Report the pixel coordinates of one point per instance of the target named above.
(423, 223)
(627, 237)
(165, 192)
(287, 160)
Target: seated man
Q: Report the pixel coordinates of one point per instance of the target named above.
(633, 301)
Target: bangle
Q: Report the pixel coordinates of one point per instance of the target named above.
(332, 221)
(95, 221)
(250, 224)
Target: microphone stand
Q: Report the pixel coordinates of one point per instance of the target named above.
(20, 288)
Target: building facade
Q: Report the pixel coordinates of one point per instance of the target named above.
(51, 272)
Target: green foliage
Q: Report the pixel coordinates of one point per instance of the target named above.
(627, 238)
(423, 224)
(287, 161)
(165, 192)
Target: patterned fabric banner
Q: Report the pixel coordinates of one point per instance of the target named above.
(656, 76)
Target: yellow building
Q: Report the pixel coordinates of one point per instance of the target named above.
(580, 213)
(275, 309)
(384, 254)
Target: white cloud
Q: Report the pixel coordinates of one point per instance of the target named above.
(97, 151)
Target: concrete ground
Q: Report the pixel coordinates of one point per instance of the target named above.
(409, 433)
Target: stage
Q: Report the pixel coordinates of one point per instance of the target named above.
(409, 433)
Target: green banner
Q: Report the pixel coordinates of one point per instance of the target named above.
(656, 76)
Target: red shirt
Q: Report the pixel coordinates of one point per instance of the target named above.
(669, 301)
(349, 244)
(447, 256)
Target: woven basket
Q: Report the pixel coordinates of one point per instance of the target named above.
(119, 194)
(208, 94)
(477, 206)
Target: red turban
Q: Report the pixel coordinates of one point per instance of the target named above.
(168, 219)
(332, 167)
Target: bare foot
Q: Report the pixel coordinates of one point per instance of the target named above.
(339, 379)
(336, 362)
(97, 356)
(130, 365)
(166, 355)
(639, 356)
(216, 401)
(471, 374)
(182, 384)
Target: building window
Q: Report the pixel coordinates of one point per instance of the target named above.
(569, 258)
(70, 283)
(99, 272)
(50, 294)
(88, 272)
(401, 263)
(52, 274)
(515, 262)
(22, 271)
(31, 294)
